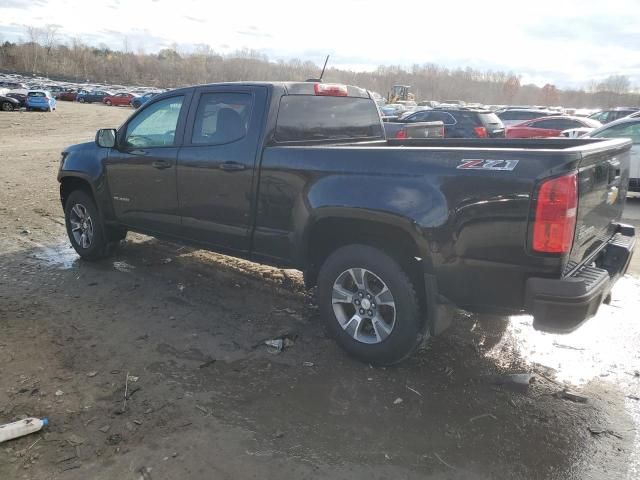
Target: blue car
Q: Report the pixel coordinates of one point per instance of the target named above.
(40, 100)
(137, 102)
(93, 96)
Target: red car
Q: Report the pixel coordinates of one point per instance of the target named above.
(118, 99)
(549, 126)
(68, 95)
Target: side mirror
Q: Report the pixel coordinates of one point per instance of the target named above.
(106, 137)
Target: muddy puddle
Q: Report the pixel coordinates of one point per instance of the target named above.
(606, 348)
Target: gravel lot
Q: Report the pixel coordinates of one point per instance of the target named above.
(206, 398)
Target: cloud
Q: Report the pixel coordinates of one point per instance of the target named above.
(253, 33)
(567, 43)
(22, 4)
(601, 30)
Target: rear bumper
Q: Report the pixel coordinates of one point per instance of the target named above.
(562, 305)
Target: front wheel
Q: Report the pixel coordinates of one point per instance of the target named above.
(84, 226)
(370, 305)
(6, 106)
(81, 100)
(108, 103)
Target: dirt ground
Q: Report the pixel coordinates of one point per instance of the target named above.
(206, 399)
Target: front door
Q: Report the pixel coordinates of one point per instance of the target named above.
(216, 165)
(141, 171)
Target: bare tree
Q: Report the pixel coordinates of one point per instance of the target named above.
(171, 67)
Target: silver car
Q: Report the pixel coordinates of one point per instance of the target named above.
(625, 128)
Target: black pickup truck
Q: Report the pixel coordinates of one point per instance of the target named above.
(393, 232)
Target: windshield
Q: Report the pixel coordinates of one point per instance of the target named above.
(626, 130)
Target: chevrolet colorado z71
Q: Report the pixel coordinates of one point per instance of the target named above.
(300, 175)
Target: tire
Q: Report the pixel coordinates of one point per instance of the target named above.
(108, 103)
(403, 328)
(80, 207)
(81, 100)
(6, 107)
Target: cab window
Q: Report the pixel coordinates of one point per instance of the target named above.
(156, 125)
(221, 118)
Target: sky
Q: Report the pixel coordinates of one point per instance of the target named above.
(565, 42)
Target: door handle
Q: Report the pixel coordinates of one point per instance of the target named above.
(161, 164)
(140, 153)
(232, 166)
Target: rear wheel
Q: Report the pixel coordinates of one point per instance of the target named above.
(370, 305)
(6, 107)
(81, 100)
(85, 227)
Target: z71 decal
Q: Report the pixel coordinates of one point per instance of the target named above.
(479, 164)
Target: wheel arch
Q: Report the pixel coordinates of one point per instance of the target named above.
(397, 236)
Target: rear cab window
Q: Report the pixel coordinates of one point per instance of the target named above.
(489, 119)
(311, 117)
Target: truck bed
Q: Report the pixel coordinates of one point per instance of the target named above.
(472, 224)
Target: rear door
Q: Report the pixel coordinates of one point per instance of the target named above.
(217, 163)
(141, 171)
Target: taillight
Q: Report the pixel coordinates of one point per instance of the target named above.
(330, 89)
(481, 132)
(555, 220)
(401, 134)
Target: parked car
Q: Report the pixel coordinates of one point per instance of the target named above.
(607, 116)
(137, 102)
(393, 233)
(68, 95)
(12, 85)
(516, 116)
(392, 110)
(460, 122)
(21, 97)
(9, 104)
(93, 96)
(549, 126)
(413, 129)
(576, 132)
(118, 99)
(625, 128)
(40, 100)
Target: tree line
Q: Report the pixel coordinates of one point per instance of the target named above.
(43, 54)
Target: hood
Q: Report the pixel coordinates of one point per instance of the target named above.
(80, 147)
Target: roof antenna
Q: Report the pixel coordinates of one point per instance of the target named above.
(321, 73)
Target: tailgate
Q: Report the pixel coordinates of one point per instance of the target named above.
(603, 179)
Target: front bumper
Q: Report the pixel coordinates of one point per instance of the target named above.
(562, 305)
